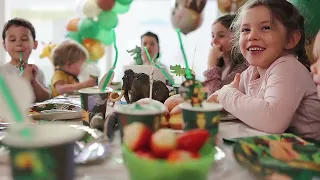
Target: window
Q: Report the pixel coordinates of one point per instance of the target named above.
(51, 16)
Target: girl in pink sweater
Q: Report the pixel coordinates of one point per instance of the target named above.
(276, 93)
(222, 64)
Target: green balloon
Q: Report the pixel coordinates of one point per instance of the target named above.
(107, 19)
(105, 36)
(124, 2)
(74, 36)
(310, 10)
(120, 8)
(88, 28)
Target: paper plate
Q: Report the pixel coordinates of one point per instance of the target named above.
(279, 156)
(55, 111)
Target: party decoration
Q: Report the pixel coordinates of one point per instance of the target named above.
(91, 8)
(13, 103)
(111, 71)
(230, 6)
(193, 92)
(125, 2)
(94, 26)
(310, 10)
(105, 36)
(47, 50)
(106, 4)
(95, 49)
(73, 25)
(136, 52)
(88, 28)
(186, 15)
(21, 64)
(107, 19)
(74, 36)
(120, 8)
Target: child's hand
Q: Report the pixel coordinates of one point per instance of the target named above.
(34, 70)
(214, 55)
(235, 83)
(28, 72)
(91, 82)
(213, 98)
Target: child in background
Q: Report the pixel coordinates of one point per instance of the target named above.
(315, 68)
(222, 67)
(19, 36)
(276, 93)
(68, 58)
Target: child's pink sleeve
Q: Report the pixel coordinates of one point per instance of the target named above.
(272, 114)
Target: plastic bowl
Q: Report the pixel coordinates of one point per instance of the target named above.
(153, 169)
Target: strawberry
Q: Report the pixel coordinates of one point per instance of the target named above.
(193, 140)
(162, 142)
(181, 156)
(145, 154)
(136, 136)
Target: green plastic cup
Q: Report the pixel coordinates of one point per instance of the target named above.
(147, 169)
(205, 117)
(148, 114)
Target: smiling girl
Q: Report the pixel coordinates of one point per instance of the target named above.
(276, 94)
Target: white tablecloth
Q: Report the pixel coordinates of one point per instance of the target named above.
(113, 169)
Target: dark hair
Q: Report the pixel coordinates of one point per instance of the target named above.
(235, 58)
(18, 22)
(151, 34)
(287, 14)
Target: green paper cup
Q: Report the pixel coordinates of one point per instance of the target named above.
(46, 154)
(147, 169)
(148, 114)
(93, 101)
(205, 117)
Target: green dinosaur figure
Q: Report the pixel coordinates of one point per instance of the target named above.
(178, 70)
(137, 52)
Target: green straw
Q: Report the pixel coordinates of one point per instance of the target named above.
(13, 106)
(188, 72)
(161, 69)
(106, 82)
(21, 64)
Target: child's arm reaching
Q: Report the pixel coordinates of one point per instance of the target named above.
(272, 114)
(63, 88)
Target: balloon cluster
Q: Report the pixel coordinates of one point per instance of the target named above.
(187, 14)
(95, 29)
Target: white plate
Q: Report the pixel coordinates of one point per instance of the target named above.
(228, 117)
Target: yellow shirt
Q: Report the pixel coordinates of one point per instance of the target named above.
(60, 75)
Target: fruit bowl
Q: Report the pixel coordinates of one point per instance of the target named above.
(146, 169)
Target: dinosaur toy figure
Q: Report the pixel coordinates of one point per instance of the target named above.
(47, 50)
(137, 52)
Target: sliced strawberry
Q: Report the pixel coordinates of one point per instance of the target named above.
(193, 140)
(181, 156)
(145, 154)
(136, 136)
(162, 142)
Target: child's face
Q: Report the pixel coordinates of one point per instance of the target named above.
(221, 36)
(75, 68)
(261, 40)
(19, 39)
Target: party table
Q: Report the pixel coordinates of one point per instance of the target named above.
(113, 168)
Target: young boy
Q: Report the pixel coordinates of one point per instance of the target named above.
(19, 36)
(68, 58)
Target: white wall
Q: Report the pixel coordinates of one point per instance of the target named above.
(2, 22)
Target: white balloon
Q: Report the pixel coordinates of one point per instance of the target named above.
(79, 8)
(91, 8)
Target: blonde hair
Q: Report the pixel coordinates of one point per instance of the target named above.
(68, 52)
